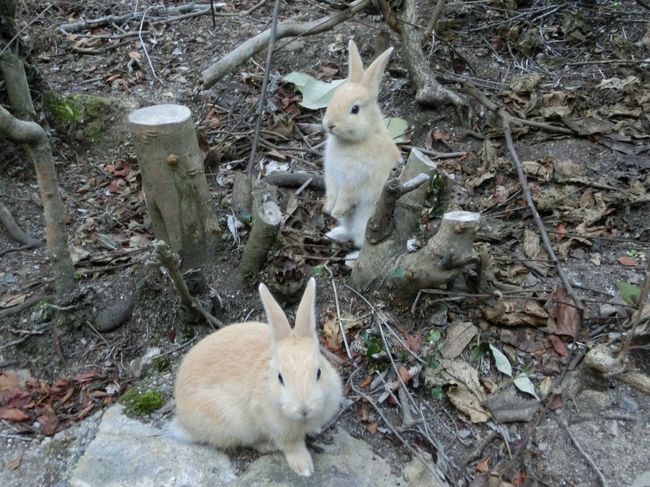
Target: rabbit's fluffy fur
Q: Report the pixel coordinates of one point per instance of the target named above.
(260, 385)
(360, 151)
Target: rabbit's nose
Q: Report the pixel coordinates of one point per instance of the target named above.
(304, 410)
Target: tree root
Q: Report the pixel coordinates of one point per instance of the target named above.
(231, 61)
(7, 219)
(429, 92)
(40, 152)
(171, 261)
(601, 359)
(296, 180)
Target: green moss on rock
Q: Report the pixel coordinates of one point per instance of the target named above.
(142, 402)
(79, 117)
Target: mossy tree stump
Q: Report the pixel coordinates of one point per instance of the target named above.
(175, 188)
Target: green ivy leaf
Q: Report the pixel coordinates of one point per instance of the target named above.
(524, 384)
(629, 292)
(315, 93)
(398, 129)
(434, 336)
(436, 392)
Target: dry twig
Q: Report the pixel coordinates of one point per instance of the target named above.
(562, 422)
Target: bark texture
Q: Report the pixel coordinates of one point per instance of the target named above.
(39, 151)
(267, 218)
(174, 183)
(386, 263)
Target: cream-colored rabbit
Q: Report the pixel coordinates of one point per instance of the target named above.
(360, 151)
(260, 385)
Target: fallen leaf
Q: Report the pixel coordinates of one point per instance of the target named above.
(15, 463)
(516, 313)
(404, 374)
(372, 428)
(413, 342)
(524, 384)
(315, 93)
(560, 231)
(13, 414)
(558, 345)
(545, 386)
(458, 336)
(556, 402)
(627, 260)
(360, 412)
(483, 466)
(465, 393)
(563, 316)
(501, 361)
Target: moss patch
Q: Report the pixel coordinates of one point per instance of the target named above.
(81, 118)
(140, 402)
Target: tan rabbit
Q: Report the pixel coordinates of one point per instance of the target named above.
(260, 385)
(360, 151)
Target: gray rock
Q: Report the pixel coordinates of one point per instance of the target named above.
(346, 462)
(126, 452)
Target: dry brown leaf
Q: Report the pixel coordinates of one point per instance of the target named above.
(458, 336)
(15, 463)
(13, 414)
(483, 466)
(537, 170)
(563, 316)
(465, 393)
(372, 428)
(516, 313)
(627, 260)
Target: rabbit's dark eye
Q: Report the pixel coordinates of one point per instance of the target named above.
(280, 378)
(354, 110)
(318, 375)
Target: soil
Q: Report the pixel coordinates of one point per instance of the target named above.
(598, 216)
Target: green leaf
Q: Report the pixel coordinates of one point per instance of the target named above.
(434, 336)
(501, 361)
(398, 127)
(319, 270)
(315, 93)
(524, 384)
(478, 352)
(629, 292)
(436, 392)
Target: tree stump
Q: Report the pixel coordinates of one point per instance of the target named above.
(385, 261)
(175, 188)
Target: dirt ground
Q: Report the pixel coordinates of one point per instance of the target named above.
(582, 65)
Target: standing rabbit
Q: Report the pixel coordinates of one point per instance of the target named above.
(360, 151)
(260, 385)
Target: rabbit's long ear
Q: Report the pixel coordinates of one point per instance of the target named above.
(274, 315)
(306, 314)
(373, 74)
(355, 64)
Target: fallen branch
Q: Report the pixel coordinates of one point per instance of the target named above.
(171, 261)
(433, 21)
(191, 9)
(7, 219)
(231, 61)
(295, 180)
(28, 303)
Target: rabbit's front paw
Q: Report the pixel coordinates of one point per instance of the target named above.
(300, 462)
(338, 234)
(341, 210)
(327, 207)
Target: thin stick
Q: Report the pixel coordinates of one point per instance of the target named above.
(265, 82)
(636, 317)
(562, 422)
(433, 21)
(24, 28)
(144, 47)
(338, 315)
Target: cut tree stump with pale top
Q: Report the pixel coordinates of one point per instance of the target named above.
(175, 188)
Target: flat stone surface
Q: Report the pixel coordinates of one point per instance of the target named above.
(344, 463)
(127, 452)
